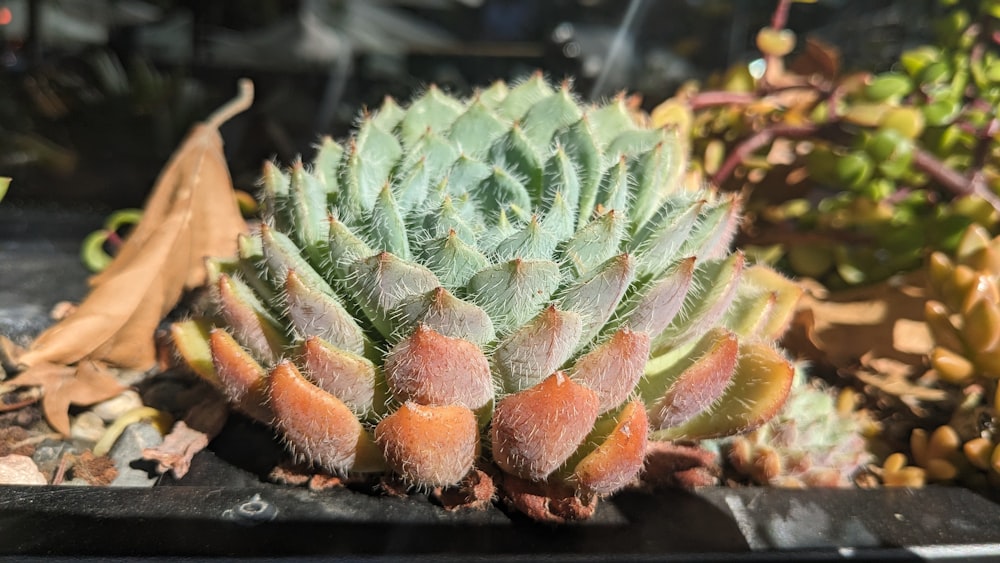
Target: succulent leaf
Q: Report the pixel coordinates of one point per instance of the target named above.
(190, 339)
(328, 156)
(759, 387)
(383, 282)
(349, 376)
(430, 446)
(241, 378)
(618, 459)
(538, 348)
(318, 425)
(613, 368)
(694, 385)
(434, 111)
(442, 312)
(513, 292)
(253, 324)
(536, 430)
(429, 368)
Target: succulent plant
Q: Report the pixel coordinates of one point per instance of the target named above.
(817, 439)
(482, 281)
(964, 319)
(868, 170)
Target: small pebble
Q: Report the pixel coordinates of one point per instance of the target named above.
(20, 470)
(127, 452)
(110, 410)
(47, 455)
(87, 427)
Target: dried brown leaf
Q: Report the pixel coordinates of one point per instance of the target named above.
(876, 334)
(201, 424)
(475, 491)
(83, 385)
(177, 450)
(818, 57)
(96, 470)
(896, 378)
(191, 214)
(10, 352)
(837, 329)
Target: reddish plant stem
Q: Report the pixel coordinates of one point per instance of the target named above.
(756, 141)
(780, 16)
(714, 98)
(982, 150)
(60, 473)
(947, 177)
(952, 180)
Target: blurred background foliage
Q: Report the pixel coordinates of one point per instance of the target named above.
(94, 94)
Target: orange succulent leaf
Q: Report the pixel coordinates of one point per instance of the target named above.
(86, 384)
(619, 458)
(536, 430)
(436, 445)
(191, 214)
(318, 425)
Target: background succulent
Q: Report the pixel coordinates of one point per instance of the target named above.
(477, 280)
(854, 175)
(964, 318)
(818, 439)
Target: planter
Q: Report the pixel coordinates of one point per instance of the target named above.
(711, 524)
(219, 509)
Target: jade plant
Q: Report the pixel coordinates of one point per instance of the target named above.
(854, 175)
(477, 284)
(964, 318)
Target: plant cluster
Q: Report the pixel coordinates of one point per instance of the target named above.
(818, 439)
(480, 282)
(964, 318)
(855, 175)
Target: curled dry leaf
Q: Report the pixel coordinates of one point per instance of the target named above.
(177, 450)
(201, 424)
(875, 333)
(191, 214)
(83, 385)
(897, 378)
(882, 321)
